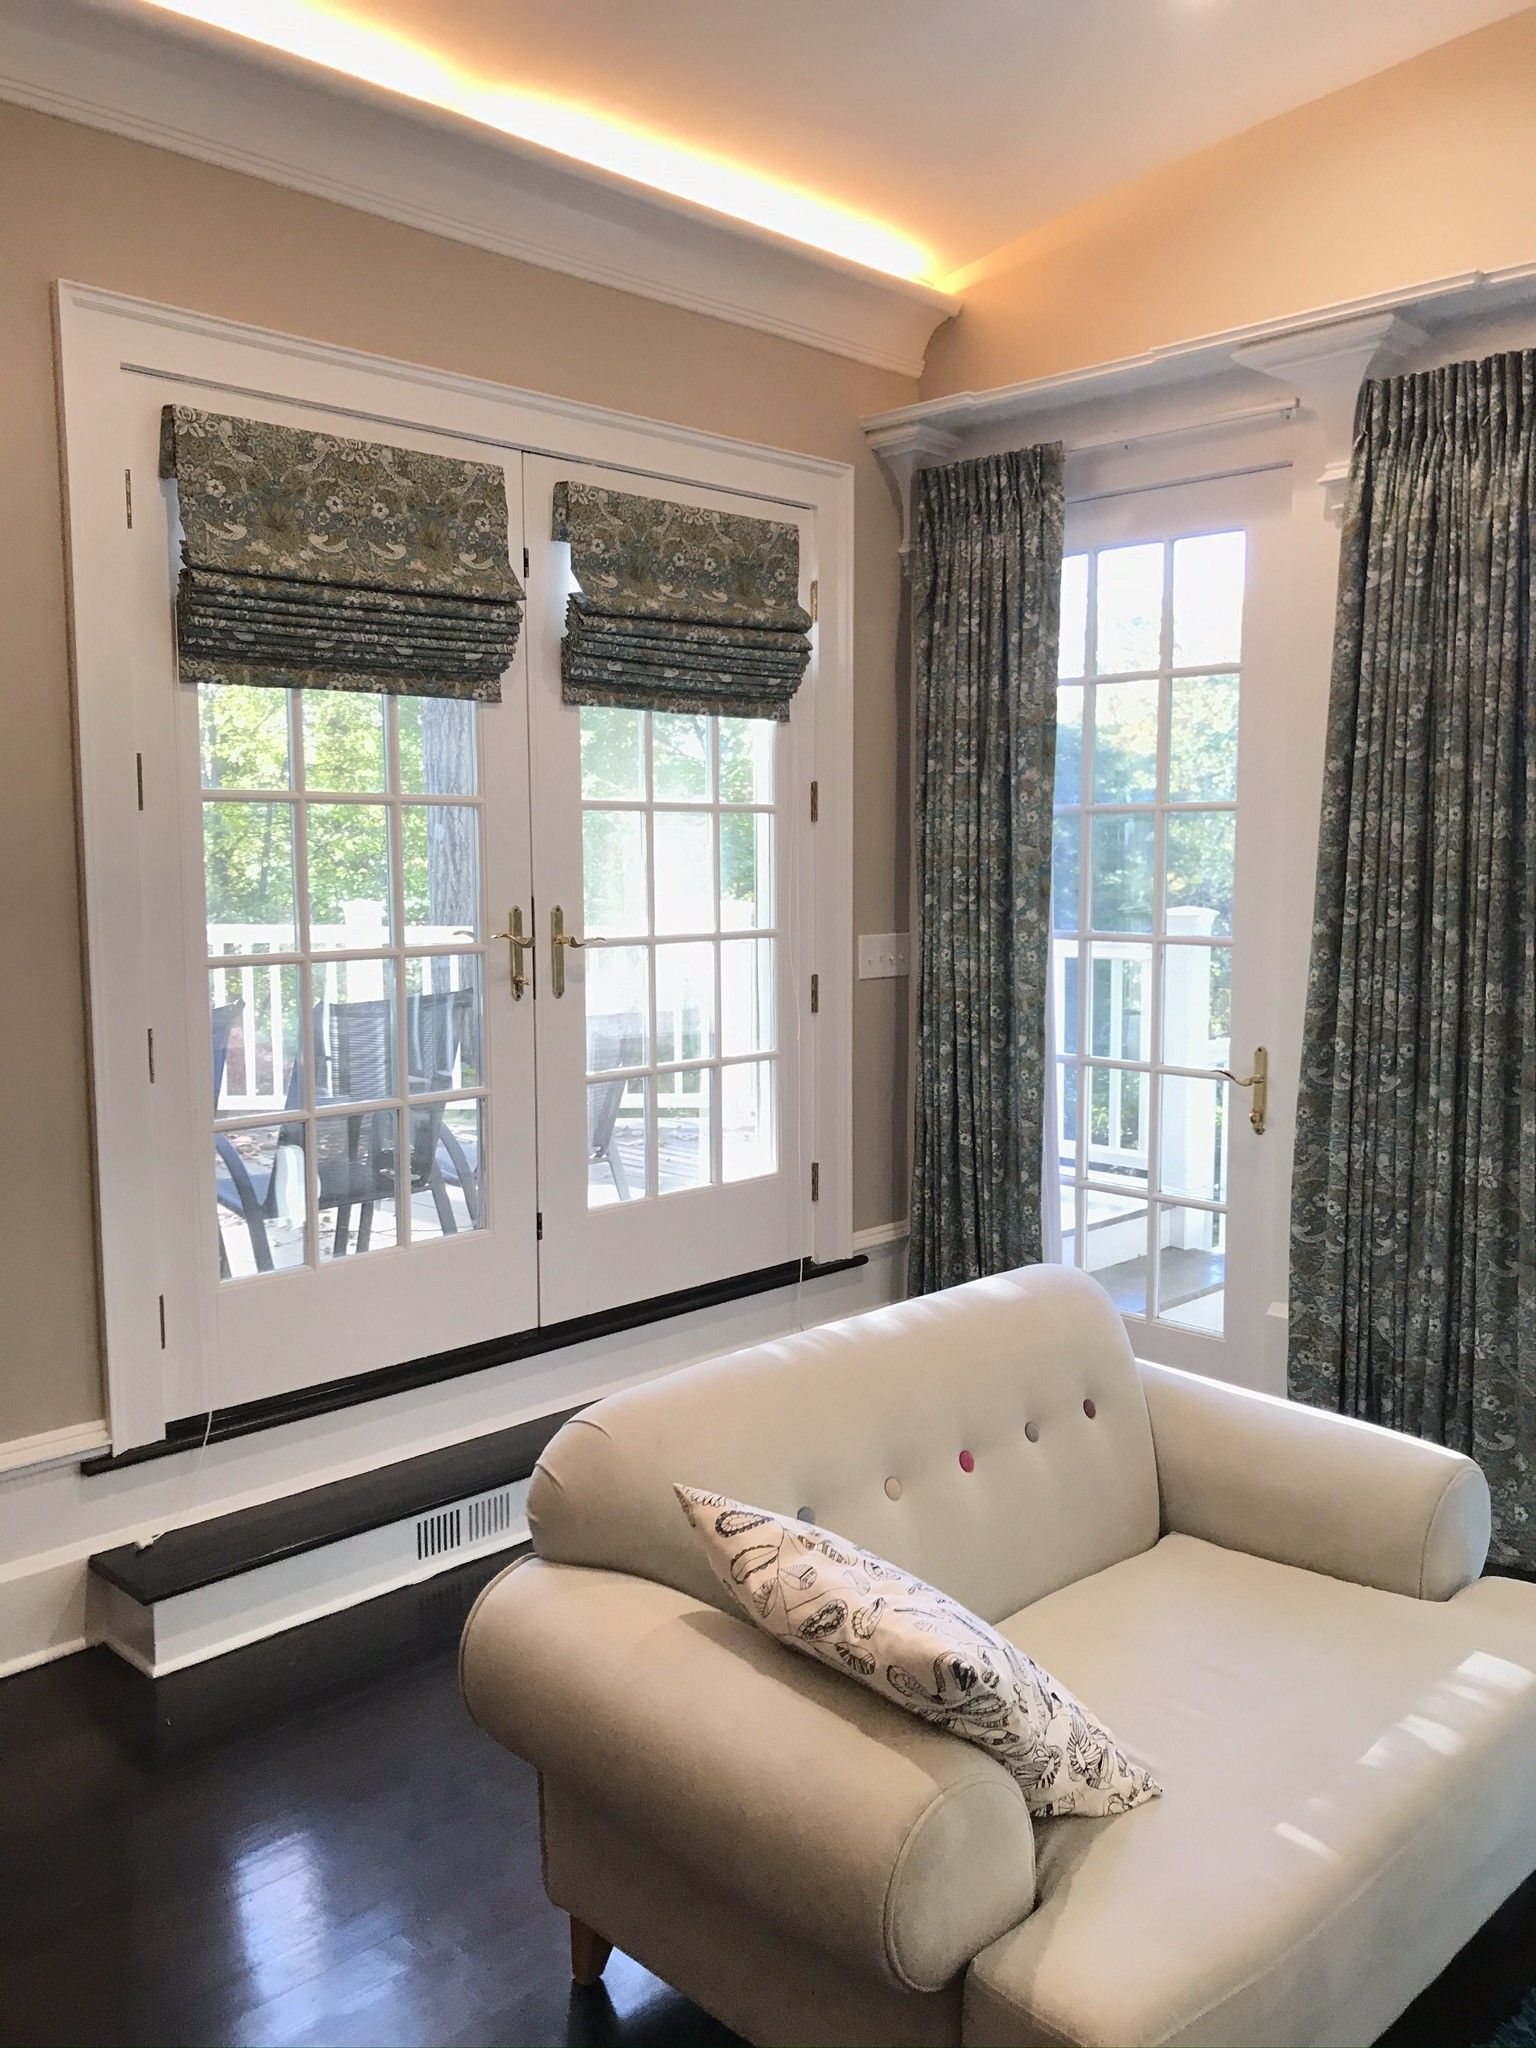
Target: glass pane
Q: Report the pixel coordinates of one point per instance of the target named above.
(1120, 879)
(437, 746)
(1068, 1226)
(618, 1007)
(440, 849)
(248, 871)
(1066, 1119)
(685, 1002)
(746, 996)
(1197, 1006)
(445, 1170)
(1069, 744)
(1066, 856)
(243, 736)
(747, 1143)
(746, 760)
(1064, 986)
(348, 853)
(612, 752)
(259, 1186)
(343, 740)
(1115, 1248)
(1192, 1139)
(746, 870)
(1197, 882)
(1119, 1002)
(685, 872)
(684, 1106)
(1192, 1268)
(1130, 609)
(253, 1028)
(354, 1031)
(355, 1161)
(1202, 740)
(618, 1142)
(1117, 1124)
(1073, 659)
(443, 1013)
(613, 873)
(679, 757)
(1125, 743)
(1208, 598)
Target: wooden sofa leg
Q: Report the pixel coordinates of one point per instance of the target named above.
(589, 1952)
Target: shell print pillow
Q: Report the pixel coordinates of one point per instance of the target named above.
(915, 1646)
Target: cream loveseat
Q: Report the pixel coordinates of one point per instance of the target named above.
(1278, 1610)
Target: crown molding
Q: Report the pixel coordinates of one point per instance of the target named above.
(272, 118)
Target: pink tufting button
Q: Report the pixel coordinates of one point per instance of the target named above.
(967, 1462)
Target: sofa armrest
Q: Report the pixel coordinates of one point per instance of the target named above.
(847, 1822)
(1301, 1486)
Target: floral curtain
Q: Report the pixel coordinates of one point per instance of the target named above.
(310, 562)
(1413, 1259)
(680, 608)
(986, 602)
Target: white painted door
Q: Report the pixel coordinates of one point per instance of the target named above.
(669, 1026)
(1159, 972)
(355, 1166)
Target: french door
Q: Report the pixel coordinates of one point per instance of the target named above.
(669, 989)
(1169, 1171)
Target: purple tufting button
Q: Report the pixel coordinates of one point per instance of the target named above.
(1089, 1410)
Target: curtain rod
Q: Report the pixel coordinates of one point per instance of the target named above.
(1173, 483)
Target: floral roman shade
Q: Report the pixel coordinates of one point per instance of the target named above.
(680, 608)
(309, 562)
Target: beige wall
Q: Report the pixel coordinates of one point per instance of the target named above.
(118, 214)
(1420, 172)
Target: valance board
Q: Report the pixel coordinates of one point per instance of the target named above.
(680, 607)
(309, 561)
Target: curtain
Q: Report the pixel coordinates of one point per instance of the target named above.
(1413, 1256)
(309, 562)
(679, 608)
(986, 601)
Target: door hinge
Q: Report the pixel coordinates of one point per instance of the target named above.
(128, 495)
(150, 1040)
(525, 561)
(538, 1225)
(815, 1180)
(138, 770)
(815, 601)
(162, 1322)
(815, 993)
(815, 801)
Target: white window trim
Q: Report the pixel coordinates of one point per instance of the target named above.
(100, 336)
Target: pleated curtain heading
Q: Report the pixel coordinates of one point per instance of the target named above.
(310, 562)
(680, 608)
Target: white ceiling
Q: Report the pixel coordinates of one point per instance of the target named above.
(962, 123)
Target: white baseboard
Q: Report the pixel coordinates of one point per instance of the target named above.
(52, 1447)
(53, 1519)
(878, 1235)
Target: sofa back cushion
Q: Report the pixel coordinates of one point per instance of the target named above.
(992, 1439)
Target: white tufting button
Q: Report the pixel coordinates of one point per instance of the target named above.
(893, 1488)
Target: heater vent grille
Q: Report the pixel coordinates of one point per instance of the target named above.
(473, 1522)
(439, 1532)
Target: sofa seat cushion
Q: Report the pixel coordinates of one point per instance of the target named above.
(1350, 1791)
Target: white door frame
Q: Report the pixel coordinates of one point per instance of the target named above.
(129, 860)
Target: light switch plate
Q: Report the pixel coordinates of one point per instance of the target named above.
(884, 953)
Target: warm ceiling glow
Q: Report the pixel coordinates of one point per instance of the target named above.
(329, 36)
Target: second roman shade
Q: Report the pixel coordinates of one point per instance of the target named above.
(310, 562)
(680, 608)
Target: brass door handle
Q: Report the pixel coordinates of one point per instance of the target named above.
(516, 943)
(559, 940)
(1258, 1081)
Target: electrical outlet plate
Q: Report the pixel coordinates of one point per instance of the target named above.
(884, 953)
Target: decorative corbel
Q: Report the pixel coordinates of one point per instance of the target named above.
(1325, 367)
(905, 447)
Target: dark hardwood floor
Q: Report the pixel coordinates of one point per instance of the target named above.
(309, 1842)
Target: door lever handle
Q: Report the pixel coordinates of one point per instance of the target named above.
(559, 940)
(516, 944)
(1258, 1081)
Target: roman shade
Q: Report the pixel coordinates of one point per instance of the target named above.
(680, 608)
(309, 562)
